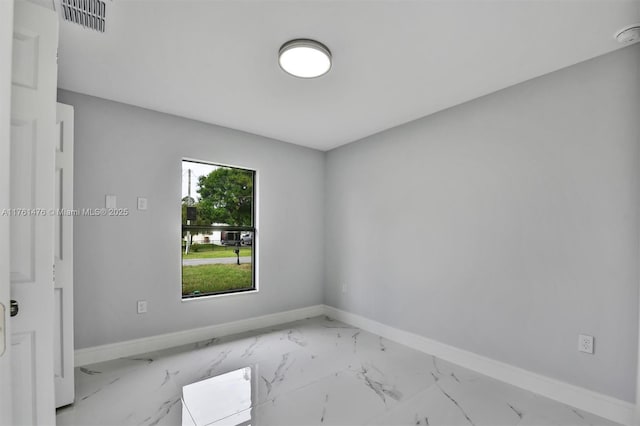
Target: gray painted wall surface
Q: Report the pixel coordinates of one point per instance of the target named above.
(132, 152)
(505, 226)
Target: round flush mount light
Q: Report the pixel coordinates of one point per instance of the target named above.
(305, 58)
(629, 34)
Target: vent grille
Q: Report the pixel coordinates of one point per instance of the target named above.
(88, 13)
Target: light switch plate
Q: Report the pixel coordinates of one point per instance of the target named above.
(142, 203)
(142, 306)
(110, 201)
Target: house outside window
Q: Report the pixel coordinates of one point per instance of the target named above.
(218, 229)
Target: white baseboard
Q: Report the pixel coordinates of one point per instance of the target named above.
(593, 402)
(163, 341)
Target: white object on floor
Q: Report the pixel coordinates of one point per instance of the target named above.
(216, 398)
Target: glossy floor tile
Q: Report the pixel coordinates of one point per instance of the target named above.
(311, 372)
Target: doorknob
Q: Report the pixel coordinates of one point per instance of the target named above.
(14, 308)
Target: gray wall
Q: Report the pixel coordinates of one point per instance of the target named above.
(131, 152)
(505, 226)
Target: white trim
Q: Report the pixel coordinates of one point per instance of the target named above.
(128, 348)
(593, 402)
(216, 296)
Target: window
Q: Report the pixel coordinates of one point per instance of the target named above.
(218, 229)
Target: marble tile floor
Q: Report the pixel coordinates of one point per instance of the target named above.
(310, 372)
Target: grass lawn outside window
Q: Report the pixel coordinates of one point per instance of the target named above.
(218, 247)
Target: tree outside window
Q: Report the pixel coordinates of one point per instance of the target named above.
(218, 229)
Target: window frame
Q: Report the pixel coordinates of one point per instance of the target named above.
(229, 228)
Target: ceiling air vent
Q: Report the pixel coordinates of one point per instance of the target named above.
(88, 13)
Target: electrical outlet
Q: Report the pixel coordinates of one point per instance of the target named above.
(585, 343)
(344, 288)
(142, 306)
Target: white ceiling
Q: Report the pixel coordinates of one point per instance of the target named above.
(394, 60)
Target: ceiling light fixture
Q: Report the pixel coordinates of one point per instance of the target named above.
(305, 58)
(629, 34)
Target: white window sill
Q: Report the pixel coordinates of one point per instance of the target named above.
(215, 296)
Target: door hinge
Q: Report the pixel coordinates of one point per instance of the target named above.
(14, 308)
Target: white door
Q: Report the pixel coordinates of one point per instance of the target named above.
(32, 157)
(6, 40)
(63, 254)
